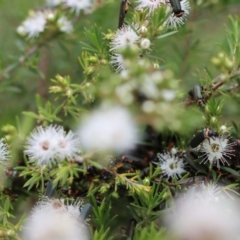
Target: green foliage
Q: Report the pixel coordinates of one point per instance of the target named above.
(151, 232)
(102, 219)
(145, 204)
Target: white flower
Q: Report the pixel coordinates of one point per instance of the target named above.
(125, 37)
(204, 214)
(49, 144)
(151, 5)
(64, 25)
(53, 220)
(216, 149)
(174, 21)
(54, 2)
(33, 25)
(109, 129)
(117, 62)
(172, 166)
(4, 153)
(78, 5)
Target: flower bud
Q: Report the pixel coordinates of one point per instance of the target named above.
(145, 43)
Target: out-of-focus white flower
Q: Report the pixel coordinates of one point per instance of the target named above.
(4, 152)
(209, 193)
(49, 144)
(78, 5)
(148, 106)
(64, 25)
(174, 21)
(52, 219)
(151, 5)
(117, 62)
(125, 37)
(204, 213)
(33, 25)
(168, 94)
(54, 2)
(149, 88)
(172, 166)
(216, 150)
(109, 129)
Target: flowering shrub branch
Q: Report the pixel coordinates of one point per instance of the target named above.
(127, 134)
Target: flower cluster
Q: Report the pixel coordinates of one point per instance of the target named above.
(109, 129)
(154, 93)
(74, 5)
(173, 20)
(52, 219)
(136, 37)
(49, 144)
(38, 21)
(171, 165)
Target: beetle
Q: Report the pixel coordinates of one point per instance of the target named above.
(177, 9)
(85, 211)
(197, 94)
(206, 133)
(123, 11)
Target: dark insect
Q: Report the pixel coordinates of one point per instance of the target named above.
(50, 190)
(177, 9)
(123, 11)
(201, 136)
(85, 211)
(197, 95)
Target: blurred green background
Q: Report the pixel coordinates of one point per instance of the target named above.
(186, 53)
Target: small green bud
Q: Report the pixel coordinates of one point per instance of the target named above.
(69, 92)
(55, 89)
(221, 55)
(216, 61)
(10, 233)
(165, 195)
(213, 120)
(146, 181)
(93, 59)
(103, 62)
(109, 36)
(228, 63)
(88, 84)
(89, 70)
(207, 109)
(8, 128)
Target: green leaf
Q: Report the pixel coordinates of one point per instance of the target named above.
(230, 170)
